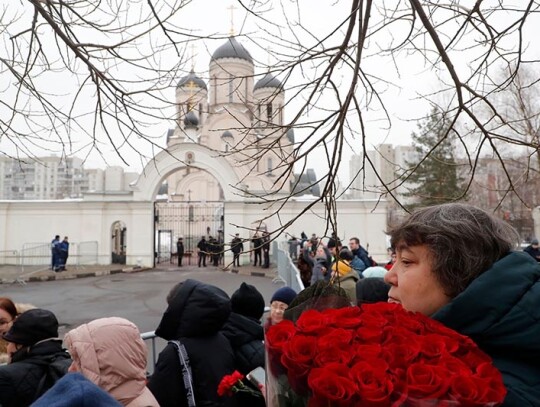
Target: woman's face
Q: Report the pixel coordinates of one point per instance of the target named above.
(277, 308)
(414, 285)
(5, 321)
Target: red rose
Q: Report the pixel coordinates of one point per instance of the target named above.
(403, 353)
(342, 355)
(331, 385)
(371, 353)
(369, 334)
(432, 345)
(347, 317)
(474, 391)
(311, 322)
(299, 352)
(427, 381)
(278, 335)
(335, 338)
(374, 383)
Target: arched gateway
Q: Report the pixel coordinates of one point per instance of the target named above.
(186, 218)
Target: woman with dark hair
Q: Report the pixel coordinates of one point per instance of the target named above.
(457, 264)
(8, 313)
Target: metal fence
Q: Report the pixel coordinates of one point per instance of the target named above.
(287, 271)
(36, 257)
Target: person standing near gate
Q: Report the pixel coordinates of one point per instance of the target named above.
(202, 248)
(257, 248)
(180, 250)
(266, 250)
(237, 247)
(55, 251)
(63, 254)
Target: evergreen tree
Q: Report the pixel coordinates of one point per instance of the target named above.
(436, 179)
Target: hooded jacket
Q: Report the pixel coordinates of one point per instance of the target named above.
(500, 311)
(20, 380)
(74, 390)
(111, 354)
(346, 277)
(195, 316)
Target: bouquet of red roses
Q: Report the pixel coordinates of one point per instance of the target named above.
(376, 355)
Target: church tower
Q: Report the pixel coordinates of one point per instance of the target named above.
(236, 117)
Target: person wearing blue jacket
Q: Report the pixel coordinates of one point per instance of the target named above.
(457, 264)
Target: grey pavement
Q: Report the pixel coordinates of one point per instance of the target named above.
(137, 296)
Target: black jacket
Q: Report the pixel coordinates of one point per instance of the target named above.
(195, 316)
(20, 380)
(500, 311)
(246, 337)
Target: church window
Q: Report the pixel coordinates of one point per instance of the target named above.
(269, 112)
(269, 164)
(191, 213)
(214, 88)
(231, 89)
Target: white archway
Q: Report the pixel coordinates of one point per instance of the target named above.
(178, 156)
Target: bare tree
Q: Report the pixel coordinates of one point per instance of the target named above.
(332, 74)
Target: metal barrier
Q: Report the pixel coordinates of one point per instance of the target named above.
(287, 271)
(35, 257)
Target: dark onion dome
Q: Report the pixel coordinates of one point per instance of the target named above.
(192, 78)
(232, 49)
(226, 134)
(191, 119)
(268, 81)
(290, 135)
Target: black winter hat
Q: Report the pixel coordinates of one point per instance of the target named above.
(284, 294)
(248, 301)
(33, 326)
(372, 289)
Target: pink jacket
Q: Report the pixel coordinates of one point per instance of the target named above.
(111, 353)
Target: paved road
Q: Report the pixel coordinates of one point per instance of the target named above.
(139, 297)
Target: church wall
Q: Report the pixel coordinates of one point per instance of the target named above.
(82, 221)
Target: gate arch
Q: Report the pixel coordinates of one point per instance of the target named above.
(178, 156)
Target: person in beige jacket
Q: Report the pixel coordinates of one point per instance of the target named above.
(111, 353)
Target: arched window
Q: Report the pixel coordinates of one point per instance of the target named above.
(269, 165)
(231, 88)
(269, 112)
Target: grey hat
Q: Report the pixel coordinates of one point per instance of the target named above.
(534, 241)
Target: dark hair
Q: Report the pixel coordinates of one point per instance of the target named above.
(355, 239)
(463, 241)
(7, 305)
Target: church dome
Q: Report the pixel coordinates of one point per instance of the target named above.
(268, 81)
(191, 119)
(226, 134)
(232, 49)
(192, 78)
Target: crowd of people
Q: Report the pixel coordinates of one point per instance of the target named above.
(454, 263)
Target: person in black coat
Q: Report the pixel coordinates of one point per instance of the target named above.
(180, 250)
(202, 247)
(246, 335)
(237, 247)
(533, 250)
(195, 316)
(33, 346)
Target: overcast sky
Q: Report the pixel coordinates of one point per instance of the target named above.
(408, 77)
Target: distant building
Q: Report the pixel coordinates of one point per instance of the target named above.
(53, 178)
(389, 164)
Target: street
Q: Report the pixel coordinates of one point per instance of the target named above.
(138, 297)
